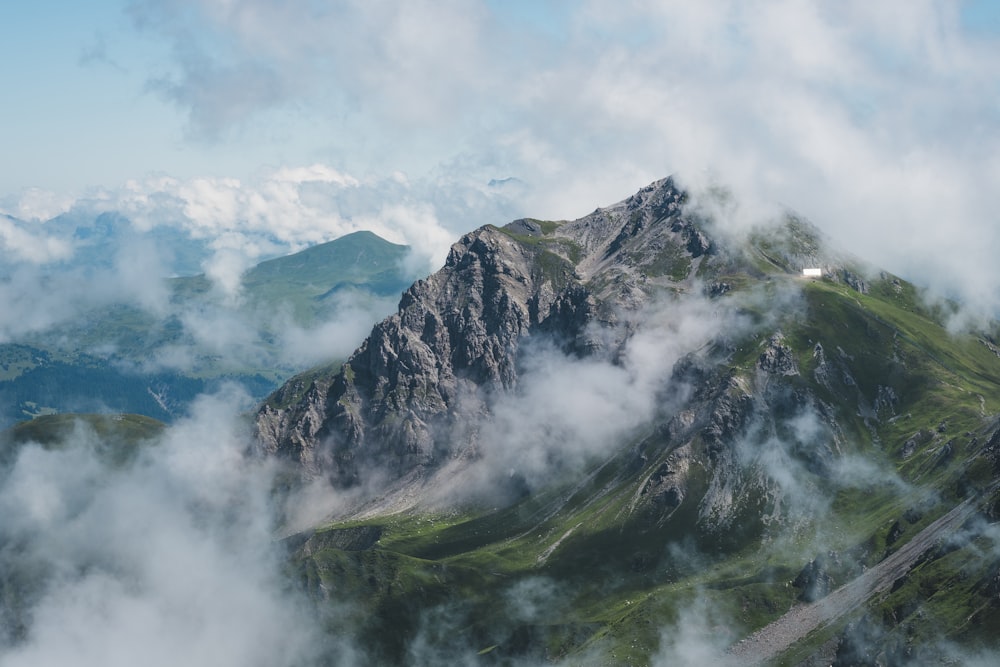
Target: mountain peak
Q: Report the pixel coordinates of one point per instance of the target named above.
(403, 401)
(398, 400)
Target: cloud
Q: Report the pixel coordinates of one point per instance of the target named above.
(225, 269)
(23, 245)
(236, 60)
(699, 636)
(874, 121)
(139, 267)
(568, 412)
(289, 208)
(240, 335)
(168, 559)
(39, 296)
(267, 208)
(35, 204)
(334, 338)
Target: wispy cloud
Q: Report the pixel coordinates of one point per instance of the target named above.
(875, 121)
(168, 559)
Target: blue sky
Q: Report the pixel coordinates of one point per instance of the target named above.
(870, 118)
(83, 107)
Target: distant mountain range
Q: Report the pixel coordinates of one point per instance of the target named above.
(97, 238)
(125, 358)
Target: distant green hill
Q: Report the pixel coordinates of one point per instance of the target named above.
(362, 259)
(52, 429)
(307, 280)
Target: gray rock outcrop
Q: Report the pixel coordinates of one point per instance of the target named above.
(400, 399)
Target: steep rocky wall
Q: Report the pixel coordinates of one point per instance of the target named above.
(430, 368)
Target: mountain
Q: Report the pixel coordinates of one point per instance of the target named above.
(639, 438)
(308, 280)
(124, 358)
(99, 238)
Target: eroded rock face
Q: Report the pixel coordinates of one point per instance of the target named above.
(425, 371)
(777, 358)
(454, 339)
(292, 432)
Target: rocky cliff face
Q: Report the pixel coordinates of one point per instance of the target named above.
(424, 371)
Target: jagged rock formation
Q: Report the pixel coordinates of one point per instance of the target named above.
(424, 371)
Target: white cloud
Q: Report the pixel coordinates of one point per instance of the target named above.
(166, 560)
(335, 338)
(567, 412)
(32, 246)
(699, 636)
(35, 204)
(316, 172)
(225, 269)
(236, 59)
(290, 208)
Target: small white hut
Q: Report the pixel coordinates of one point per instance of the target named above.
(812, 273)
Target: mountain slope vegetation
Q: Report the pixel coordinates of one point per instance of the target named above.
(632, 439)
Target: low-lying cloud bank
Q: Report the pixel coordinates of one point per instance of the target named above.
(168, 559)
(241, 222)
